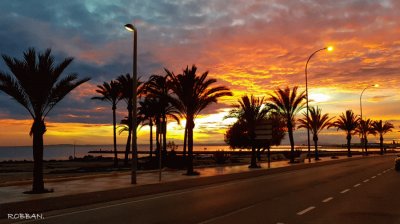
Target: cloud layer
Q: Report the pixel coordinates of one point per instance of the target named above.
(249, 46)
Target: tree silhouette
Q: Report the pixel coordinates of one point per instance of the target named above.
(347, 122)
(126, 94)
(250, 111)
(35, 82)
(193, 93)
(288, 102)
(315, 122)
(365, 128)
(111, 92)
(381, 129)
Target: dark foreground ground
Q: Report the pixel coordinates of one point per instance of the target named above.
(356, 191)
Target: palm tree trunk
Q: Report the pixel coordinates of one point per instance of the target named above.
(128, 141)
(158, 146)
(115, 137)
(253, 163)
(38, 129)
(164, 133)
(381, 143)
(366, 145)
(290, 132)
(151, 138)
(184, 142)
(190, 123)
(348, 145)
(315, 138)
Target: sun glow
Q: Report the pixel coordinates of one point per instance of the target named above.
(319, 97)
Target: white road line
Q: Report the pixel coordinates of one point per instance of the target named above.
(357, 185)
(344, 191)
(280, 223)
(373, 177)
(306, 210)
(327, 199)
(365, 181)
(379, 174)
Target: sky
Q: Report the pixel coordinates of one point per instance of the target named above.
(252, 47)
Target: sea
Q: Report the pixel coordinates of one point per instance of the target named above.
(64, 152)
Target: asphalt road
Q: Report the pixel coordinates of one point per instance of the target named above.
(358, 191)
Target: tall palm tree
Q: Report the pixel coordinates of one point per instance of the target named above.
(347, 122)
(126, 94)
(193, 93)
(365, 128)
(288, 102)
(315, 122)
(250, 111)
(382, 129)
(35, 82)
(148, 110)
(111, 92)
(158, 88)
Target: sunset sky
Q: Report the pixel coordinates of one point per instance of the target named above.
(250, 46)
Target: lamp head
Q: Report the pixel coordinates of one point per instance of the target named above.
(129, 27)
(329, 48)
(375, 85)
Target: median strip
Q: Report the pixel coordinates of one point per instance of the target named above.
(327, 199)
(306, 210)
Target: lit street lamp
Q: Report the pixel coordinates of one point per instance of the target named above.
(329, 48)
(375, 85)
(132, 29)
(361, 116)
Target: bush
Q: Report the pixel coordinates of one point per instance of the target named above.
(397, 164)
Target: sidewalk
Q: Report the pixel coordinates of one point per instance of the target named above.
(87, 184)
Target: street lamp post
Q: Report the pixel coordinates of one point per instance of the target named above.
(133, 29)
(330, 48)
(361, 116)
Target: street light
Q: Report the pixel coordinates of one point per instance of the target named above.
(132, 29)
(375, 85)
(362, 135)
(329, 48)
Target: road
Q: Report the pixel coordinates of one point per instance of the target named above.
(358, 191)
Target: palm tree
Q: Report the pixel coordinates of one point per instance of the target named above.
(193, 94)
(111, 92)
(35, 83)
(382, 129)
(126, 94)
(347, 122)
(147, 110)
(157, 87)
(250, 111)
(315, 122)
(288, 103)
(365, 128)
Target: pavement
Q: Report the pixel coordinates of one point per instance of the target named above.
(94, 189)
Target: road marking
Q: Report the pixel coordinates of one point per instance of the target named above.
(379, 174)
(365, 181)
(306, 210)
(327, 199)
(357, 185)
(373, 177)
(344, 191)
